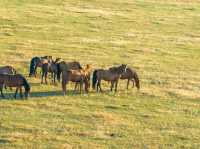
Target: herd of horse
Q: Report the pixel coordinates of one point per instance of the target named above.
(66, 72)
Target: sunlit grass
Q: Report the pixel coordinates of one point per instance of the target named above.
(160, 39)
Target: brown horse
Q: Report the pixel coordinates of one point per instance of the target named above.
(112, 74)
(65, 66)
(38, 62)
(131, 75)
(14, 81)
(79, 76)
(52, 68)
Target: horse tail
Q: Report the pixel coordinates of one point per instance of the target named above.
(94, 79)
(137, 81)
(58, 72)
(32, 67)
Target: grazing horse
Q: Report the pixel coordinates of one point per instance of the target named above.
(38, 62)
(131, 75)
(15, 81)
(79, 76)
(50, 67)
(65, 66)
(112, 74)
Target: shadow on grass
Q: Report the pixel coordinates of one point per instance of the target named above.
(10, 96)
(3, 141)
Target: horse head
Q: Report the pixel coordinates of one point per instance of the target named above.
(123, 68)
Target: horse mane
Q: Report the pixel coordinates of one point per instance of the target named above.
(57, 60)
(114, 69)
(88, 67)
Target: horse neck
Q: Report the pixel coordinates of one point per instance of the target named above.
(87, 70)
(117, 70)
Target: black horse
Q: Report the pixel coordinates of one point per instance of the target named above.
(38, 62)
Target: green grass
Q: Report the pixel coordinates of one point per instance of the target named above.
(160, 39)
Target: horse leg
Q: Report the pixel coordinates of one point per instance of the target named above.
(128, 83)
(64, 87)
(116, 84)
(112, 84)
(15, 96)
(75, 87)
(98, 85)
(21, 95)
(46, 75)
(54, 78)
(2, 95)
(81, 86)
(42, 77)
(35, 71)
(99, 82)
(133, 81)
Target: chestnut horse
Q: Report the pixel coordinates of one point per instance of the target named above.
(112, 74)
(87, 72)
(79, 76)
(14, 81)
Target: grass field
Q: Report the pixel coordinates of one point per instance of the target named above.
(159, 38)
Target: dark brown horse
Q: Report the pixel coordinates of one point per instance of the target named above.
(112, 74)
(14, 81)
(131, 75)
(50, 67)
(79, 76)
(38, 62)
(65, 66)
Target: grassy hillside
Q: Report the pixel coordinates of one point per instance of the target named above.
(159, 38)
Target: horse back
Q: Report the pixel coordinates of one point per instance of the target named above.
(7, 70)
(11, 80)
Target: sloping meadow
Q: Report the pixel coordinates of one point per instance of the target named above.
(159, 39)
